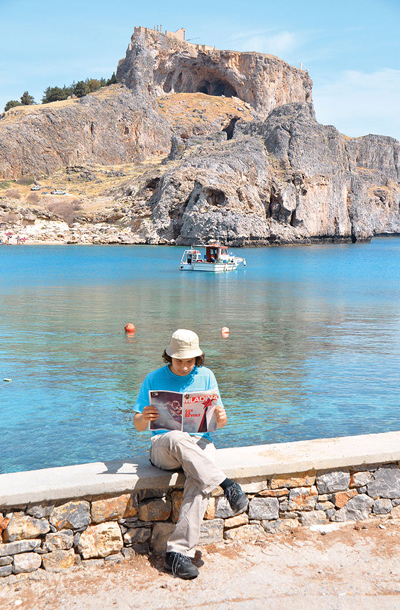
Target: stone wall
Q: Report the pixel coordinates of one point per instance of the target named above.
(56, 535)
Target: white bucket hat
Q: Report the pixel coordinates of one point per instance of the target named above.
(184, 344)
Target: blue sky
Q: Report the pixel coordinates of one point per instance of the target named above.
(351, 49)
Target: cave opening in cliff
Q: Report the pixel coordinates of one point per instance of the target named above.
(217, 87)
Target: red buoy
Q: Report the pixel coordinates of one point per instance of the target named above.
(225, 332)
(130, 328)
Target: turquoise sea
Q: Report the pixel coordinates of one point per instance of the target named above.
(313, 351)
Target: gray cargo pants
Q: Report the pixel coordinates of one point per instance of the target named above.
(196, 456)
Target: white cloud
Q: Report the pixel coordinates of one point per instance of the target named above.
(358, 103)
(273, 43)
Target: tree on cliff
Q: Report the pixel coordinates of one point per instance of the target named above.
(26, 99)
(11, 104)
(54, 94)
(81, 88)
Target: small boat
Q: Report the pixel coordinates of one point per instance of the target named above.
(216, 259)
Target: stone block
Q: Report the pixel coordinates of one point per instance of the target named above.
(212, 531)
(211, 508)
(303, 498)
(356, 509)
(5, 561)
(274, 493)
(253, 487)
(302, 479)
(59, 560)
(385, 484)
(128, 553)
(36, 510)
(246, 533)
(159, 537)
(22, 527)
(324, 505)
(118, 507)
(313, 517)
(382, 507)
(223, 509)
(26, 562)
(236, 521)
(21, 546)
(100, 540)
(138, 535)
(264, 508)
(360, 479)
(342, 497)
(277, 526)
(176, 498)
(59, 541)
(158, 509)
(332, 481)
(5, 570)
(72, 515)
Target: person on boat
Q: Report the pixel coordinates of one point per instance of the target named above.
(194, 453)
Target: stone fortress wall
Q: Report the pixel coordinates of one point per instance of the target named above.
(105, 512)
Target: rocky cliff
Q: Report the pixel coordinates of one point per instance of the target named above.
(165, 64)
(233, 152)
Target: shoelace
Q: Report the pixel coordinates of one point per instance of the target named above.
(176, 562)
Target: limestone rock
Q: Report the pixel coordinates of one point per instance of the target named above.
(74, 515)
(100, 540)
(304, 479)
(59, 541)
(385, 483)
(137, 535)
(212, 531)
(248, 533)
(119, 507)
(360, 479)
(342, 497)
(223, 509)
(264, 508)
(109, 126)
(313, 517)
(164, 64)
(356, 509)
(161, 533)
(22, 526)
(302, 498)
(5, 561)
(59, 560)
(22, 546)
(382, 507)
(26, 562)
(155, 510)
(330, 482)
(6, 570)
(236, 521)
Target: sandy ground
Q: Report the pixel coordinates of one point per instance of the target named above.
(357, 566)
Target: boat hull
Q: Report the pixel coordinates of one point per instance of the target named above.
(208, 267)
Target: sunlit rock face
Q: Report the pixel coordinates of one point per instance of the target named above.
(164, 64)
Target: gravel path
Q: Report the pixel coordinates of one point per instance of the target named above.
(353, 567)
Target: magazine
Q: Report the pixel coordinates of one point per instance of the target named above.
(186, 411)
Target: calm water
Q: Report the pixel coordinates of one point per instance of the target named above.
(314, 349)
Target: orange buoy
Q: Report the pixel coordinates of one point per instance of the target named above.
(225, 332)
(130, 328)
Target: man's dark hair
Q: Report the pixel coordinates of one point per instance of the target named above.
(199, 359)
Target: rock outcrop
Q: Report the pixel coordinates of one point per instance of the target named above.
(109, 126)
(236, 155)
(164, 64)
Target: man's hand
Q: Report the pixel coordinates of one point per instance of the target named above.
(141, 420)
(221, 416)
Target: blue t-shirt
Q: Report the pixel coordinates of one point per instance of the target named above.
(200, 379)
